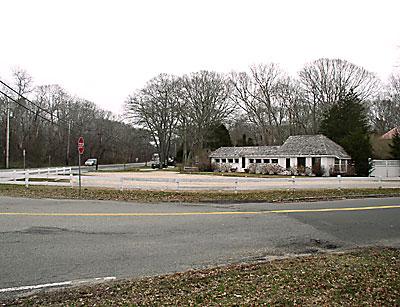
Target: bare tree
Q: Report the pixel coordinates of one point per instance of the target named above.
(155, 107)
(205, 103)
(385, 110)
(266, 95)
(325, 81)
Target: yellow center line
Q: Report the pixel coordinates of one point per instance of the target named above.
(139, 214)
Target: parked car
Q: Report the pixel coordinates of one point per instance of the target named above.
(156, 164)
(91, 162)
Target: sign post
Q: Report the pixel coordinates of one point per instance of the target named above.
(81, 149)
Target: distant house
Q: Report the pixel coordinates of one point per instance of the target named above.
(297, 151)
(391, 133)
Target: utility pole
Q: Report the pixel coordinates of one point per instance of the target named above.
(8, 136)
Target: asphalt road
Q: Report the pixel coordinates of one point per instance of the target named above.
(46, 241)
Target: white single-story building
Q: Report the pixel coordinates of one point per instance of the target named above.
(298, 150)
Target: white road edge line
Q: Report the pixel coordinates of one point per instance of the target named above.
(57, 284)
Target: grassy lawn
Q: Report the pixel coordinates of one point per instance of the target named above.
(187, 196)
(367, 277)
(45, 180)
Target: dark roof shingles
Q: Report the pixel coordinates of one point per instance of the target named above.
(298, 145)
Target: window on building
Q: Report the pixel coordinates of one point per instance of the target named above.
(266, 160)
(251, 160)
(230, 160)
(274, 161)
(236, 160)
(217, 160)
(223, 160)
(258, 160)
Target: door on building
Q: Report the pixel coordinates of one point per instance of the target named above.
(301, 162)
(287, 163)
(243, 162)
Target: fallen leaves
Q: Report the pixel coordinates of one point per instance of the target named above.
(363, 277)
(190, 196)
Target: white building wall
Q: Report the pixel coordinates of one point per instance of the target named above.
(309, 162)
(327, 163)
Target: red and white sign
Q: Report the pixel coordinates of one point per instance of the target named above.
(81, 145)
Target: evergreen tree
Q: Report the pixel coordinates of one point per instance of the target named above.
(395, 146)
(218, 136)
(346, 123)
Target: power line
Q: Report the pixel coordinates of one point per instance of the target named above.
(50, 113)
(28, 109)
(31, 102)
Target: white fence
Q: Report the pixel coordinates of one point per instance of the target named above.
(21, 175)
(385, 168)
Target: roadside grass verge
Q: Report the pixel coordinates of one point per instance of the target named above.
(364, 277)
(38, 191)
(44, 180)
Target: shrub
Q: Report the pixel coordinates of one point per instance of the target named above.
(215, 167)
(275, 169)
(307, 171)
(205, 166)
(263, 169)
(226, 167)
(252, 168)
(318, 170)
(293, 171)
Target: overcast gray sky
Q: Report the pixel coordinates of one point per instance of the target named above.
(103, 50)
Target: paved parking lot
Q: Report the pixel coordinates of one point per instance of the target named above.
(163, 180)
(169, 180)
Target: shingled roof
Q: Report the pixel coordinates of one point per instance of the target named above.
(250, 151)
(390, 134)
(297, 145)
(312, 145)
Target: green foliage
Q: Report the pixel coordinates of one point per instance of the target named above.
(218, 136)
(245, 141)
(395, 146)
(346, 123)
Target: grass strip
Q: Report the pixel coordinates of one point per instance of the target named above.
(367, 277)
(38, 191)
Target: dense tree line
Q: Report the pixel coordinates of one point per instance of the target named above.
(261, 106)
(48, 125)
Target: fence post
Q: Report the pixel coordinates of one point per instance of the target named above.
(38, 171)
(64, 171)
(48, 173)
(339, 177)
(121, 184)
(26, 179)
(14, 175)
(56, 171)
(71, 180)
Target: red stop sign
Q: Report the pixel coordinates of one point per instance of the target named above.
(81, 145)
